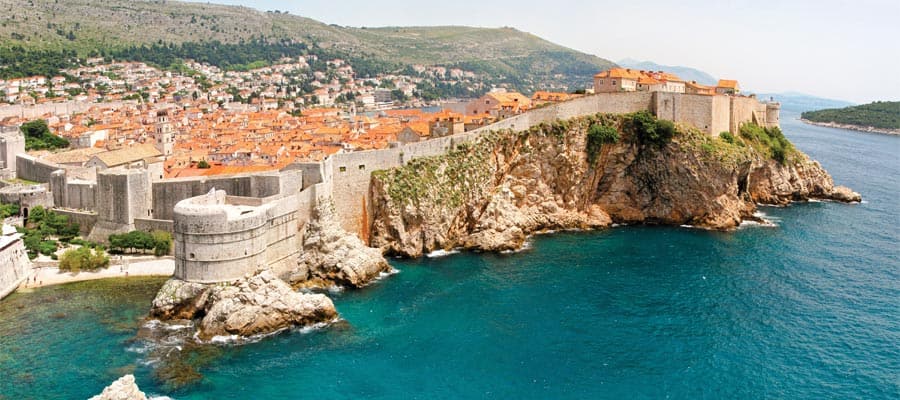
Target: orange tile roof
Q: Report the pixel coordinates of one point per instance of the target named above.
(727, 84)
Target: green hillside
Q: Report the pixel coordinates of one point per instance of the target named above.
(90, 27)
(880, 114)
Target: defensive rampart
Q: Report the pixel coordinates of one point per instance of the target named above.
(14, 264)
(220, 238)
(33, 169)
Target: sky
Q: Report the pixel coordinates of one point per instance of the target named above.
(846, 50)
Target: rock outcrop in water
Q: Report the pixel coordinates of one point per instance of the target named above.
(492, 193)
(332, 256)
(122, 389)
(255, 305)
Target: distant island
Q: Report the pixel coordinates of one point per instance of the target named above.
(880, 116)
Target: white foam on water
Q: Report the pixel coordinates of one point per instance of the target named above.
(767, 221)
(335, 289)
(525, 247)
(442, 253)
(316, 327)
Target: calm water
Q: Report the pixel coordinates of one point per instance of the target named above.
(807, 310)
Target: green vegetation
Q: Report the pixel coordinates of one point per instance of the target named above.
(448, 180)
(650, 131)
(727, 136)
(38, 136)
(19, 62)
(83, 259)
(140, 242)
(465, 172)
(880, 114)
(598, 135)
(768, 141)
(50, 33)
(8, 210)
(41, 229)
(202, 164)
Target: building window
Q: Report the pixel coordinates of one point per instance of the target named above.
(613, 82)
(343, 169)
(192, 255)
(362, 167)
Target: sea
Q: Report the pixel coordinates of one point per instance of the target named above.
(807, 307)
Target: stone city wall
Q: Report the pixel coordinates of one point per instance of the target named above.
(85, 219)
(352, 171)
(33, 169)
(14, 266)
(11, 143)
(26, 196)
(219, 238)
(150, 225)
(65, 108)
(169, 192)
(122, 196)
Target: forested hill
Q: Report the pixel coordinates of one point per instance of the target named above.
(880, 115)
(65, 29)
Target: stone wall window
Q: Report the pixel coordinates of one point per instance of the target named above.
(362, 167)
(343, 169)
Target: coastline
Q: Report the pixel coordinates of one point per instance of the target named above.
(48, 276)
(869, 129)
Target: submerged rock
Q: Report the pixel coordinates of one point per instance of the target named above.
(333, 256)
(258, 304)
(122, 389)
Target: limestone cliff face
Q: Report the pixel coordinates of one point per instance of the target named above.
(492, 193)
(332, 256)
(258, 304)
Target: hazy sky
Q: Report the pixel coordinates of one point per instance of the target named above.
(847, 50)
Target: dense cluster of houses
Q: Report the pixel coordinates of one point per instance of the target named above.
(205, 121)
(635, 80)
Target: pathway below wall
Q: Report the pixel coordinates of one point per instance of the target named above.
(46, 276)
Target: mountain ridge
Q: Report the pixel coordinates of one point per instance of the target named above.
(85, 26)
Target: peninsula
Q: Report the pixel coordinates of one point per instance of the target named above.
(878, 117)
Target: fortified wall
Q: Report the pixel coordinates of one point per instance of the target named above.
(11, 143)
(221, 238)
(14, 264)
(350, 172)
(227, 226)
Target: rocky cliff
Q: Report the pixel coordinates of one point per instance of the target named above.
(256, 305)
(332, 256)
(587, 173)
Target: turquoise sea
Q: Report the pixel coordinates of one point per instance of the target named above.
(809, 309)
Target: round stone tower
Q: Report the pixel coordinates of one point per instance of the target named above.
(216, 241)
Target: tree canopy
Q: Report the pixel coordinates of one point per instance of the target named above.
(38, 136)
(880, 114)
